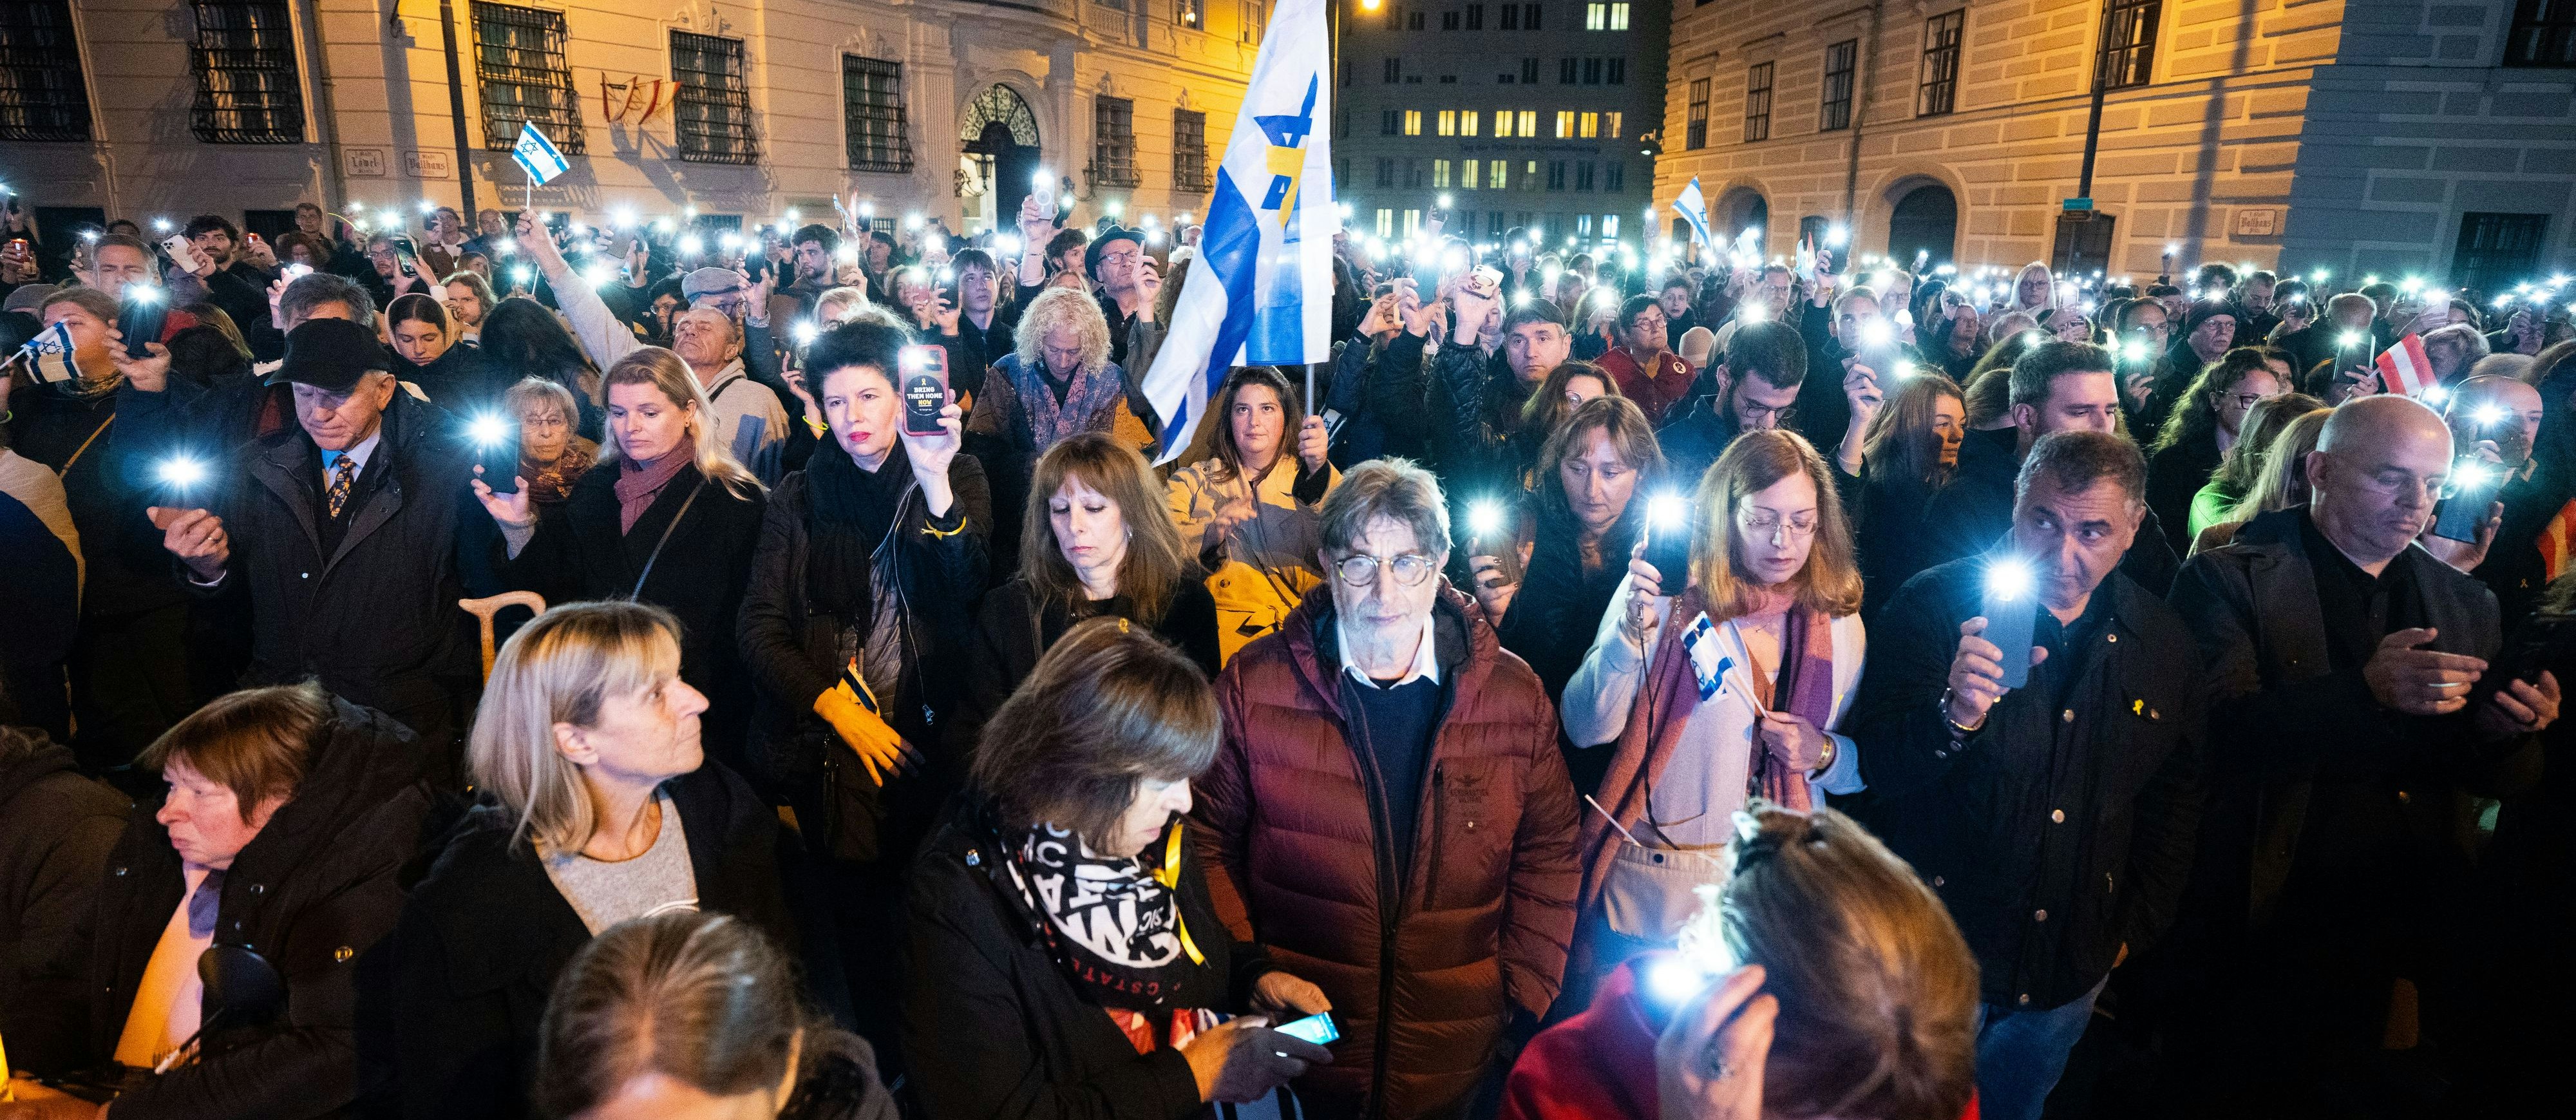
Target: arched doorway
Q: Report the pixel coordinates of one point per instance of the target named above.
(1924, 228)
(1000, 140)
(1739, 210)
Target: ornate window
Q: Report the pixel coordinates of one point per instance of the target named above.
(713, 109)
(248, 87)
(519, 58)
(41, 93)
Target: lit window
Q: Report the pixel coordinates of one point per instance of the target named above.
(1469, 172)
(1499, 174)
(1413, 122)
(1448, 122)
(1583, 225)
(1529, 123)
(1467, 122)
(1591, 125)
(1610, 222)
(1618, 17)
(1385, 222)
(1440, 174)
(1412, 222)
(1564, 123)
(1596, 16)
(1610, 126)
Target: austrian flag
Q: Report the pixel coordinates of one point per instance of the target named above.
(2403, 368)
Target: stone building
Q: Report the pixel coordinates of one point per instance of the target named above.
(2348, 135)
(740, 109)
(1535, 115)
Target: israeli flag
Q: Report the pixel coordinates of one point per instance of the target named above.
(47, 357)
(1695, 211)
(537, 154)
(1261, 289)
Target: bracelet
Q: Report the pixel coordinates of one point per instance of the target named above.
(1956, 730)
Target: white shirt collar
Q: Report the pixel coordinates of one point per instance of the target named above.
(366, 449)
(1426, 658)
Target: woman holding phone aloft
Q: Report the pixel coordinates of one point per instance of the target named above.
(1728, 687)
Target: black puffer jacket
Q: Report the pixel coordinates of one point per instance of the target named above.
(56, 828)
(484, 936)
(313, 893)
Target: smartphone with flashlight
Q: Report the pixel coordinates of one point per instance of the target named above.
(2467, 499)
(182, 252)
(2011, 606)
(1317, 1028)
(925, 389)
(140, 320)
(295, 272)
(496, 450)
(1668, 541)
(1490, 533)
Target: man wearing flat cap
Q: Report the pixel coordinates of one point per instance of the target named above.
(352, 533)
(1128, 282)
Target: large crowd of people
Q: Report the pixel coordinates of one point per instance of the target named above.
(546, 669)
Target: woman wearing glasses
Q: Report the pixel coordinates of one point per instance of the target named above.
(1718, 684)
(2203, 427)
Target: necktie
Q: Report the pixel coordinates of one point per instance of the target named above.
(344, 477)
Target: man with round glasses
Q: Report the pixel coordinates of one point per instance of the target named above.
(1389, 790)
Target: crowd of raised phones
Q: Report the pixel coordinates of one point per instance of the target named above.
(545, 670)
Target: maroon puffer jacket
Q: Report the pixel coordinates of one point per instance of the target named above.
(1487, 908)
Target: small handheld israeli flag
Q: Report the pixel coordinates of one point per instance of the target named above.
(1695, 211)
(48, 356)
(537, 155)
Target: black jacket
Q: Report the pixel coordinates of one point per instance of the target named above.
(2063, 827)
(1823, 411)
(2340, 790)
(936, 571)
(1892, 531)
(376, 618)
(459, 380)
(2174, 477)
(1477, 443)
(578, 553)
(1013, 630)
(111, 454)
(313, 893)
(485, 934)
(1975, 510)
(992, 1024)
(1378, 389)
(56, 828)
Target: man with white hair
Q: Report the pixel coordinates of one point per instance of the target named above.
(750, 420)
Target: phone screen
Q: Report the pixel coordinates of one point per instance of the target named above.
(925, 389)
(2011, 606)
(1317, 1028)
(141, 321)
(2464, 509)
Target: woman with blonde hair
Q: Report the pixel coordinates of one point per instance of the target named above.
(597, 805)
(1247, 509)
(1097, 543)
(2279, 483)
(1822, 980)
(1726, 687)
(666, 517)
(695, 1015)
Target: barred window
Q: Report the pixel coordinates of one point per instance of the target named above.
(2543, 34)
(519, 60)
(247, 83)
(1939, 92)
(872, 114)
(1757, 102)
(2128, 53)
(41, 93)
(1840, 60)
(1695, 133)
(1113, 142)
(1189, 152)
(712, 113)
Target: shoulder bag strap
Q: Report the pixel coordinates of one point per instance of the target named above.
(638, 593)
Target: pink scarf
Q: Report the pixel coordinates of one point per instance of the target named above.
(1663, 707)
(639, 483)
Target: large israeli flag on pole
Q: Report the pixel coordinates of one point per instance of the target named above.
(1261, 290)
(1695, 211)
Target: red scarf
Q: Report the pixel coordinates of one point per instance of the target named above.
(639, 483)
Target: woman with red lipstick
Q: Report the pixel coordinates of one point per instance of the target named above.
(1096, 542)
(868, 565)
(1725, 687)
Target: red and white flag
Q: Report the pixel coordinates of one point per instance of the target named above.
(2404, 368)
(2558, 540)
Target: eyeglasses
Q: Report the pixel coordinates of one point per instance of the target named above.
(1361, 571)
(2242, 400)
(1770, 524)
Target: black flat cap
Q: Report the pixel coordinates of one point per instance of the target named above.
(330, 355)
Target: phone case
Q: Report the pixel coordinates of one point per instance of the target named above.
(925, 389)
(2008, 626)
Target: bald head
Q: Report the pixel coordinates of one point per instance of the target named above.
(2378, 467)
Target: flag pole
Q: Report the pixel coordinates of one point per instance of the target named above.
(1310, 388)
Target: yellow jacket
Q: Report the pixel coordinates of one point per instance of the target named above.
(1265, 565)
